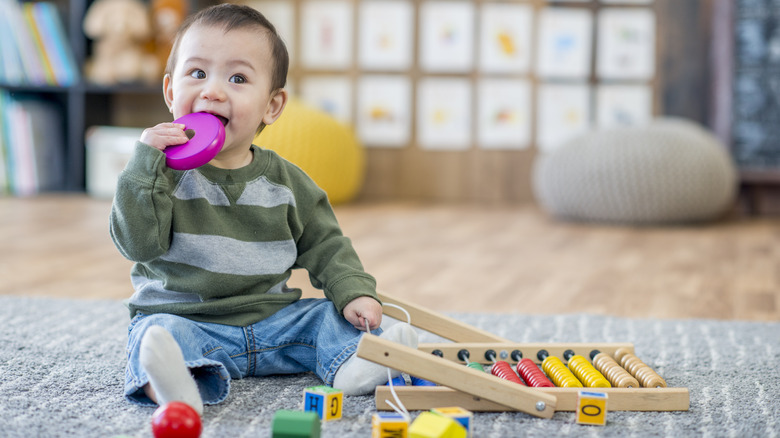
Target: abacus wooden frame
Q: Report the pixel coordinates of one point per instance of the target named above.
(464, 386)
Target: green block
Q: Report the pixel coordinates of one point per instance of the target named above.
(295, 424)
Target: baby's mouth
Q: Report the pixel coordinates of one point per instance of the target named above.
(224, 120)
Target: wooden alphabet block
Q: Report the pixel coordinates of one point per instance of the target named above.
(323, 400)
(389, 425)
(460, 415)
(592, 408)
(430, 425)
(295, 424)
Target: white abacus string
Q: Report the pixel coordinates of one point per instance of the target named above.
(400, 408)
(408, 317)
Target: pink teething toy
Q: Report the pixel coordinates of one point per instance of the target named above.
(202, 147)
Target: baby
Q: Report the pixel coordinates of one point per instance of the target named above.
(214, 247)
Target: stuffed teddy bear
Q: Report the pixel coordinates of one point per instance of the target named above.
(167, 16)
(120, 29)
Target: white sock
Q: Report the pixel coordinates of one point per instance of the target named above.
(163, 362)
(358, 376)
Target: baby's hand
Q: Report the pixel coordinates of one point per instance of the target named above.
(361, 309)
(164, 135)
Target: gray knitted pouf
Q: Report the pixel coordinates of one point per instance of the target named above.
(667, 171)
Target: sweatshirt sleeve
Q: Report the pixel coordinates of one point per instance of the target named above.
(331, 260)
(140, 220)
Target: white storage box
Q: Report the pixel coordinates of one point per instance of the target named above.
(108, 150)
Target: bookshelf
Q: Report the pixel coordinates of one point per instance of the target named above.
(83, 104)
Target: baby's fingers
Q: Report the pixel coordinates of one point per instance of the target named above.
(164, 135)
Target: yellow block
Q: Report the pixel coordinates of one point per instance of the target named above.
(592, 408)
(389, 425)
(430, 425)
(462, 416)
(323, 400)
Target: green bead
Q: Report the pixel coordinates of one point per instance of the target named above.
(476, 366)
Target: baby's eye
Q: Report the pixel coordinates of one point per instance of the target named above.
(198, 74)
(238, 79)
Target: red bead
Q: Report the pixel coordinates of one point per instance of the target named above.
(531, 373)
(504, 370)
(176, 420)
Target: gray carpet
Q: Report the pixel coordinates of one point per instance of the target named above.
(62, 364)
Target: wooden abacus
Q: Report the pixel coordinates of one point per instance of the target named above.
(478, 391)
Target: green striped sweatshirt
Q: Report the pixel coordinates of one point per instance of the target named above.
(217, 245)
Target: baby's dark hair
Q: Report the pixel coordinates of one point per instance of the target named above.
(231, 16)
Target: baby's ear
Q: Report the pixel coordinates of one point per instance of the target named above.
(275, 106)
(168, 91)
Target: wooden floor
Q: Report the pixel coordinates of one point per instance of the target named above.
(453, 258)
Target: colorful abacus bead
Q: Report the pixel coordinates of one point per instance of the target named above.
(646, 376)
(503, 370)
(416, 381)
(397, 381)
(464, 356)
(617, 375)
(557, 371)
(530, 372)
(585, 372)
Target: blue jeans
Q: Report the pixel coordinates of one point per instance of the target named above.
(308, 335)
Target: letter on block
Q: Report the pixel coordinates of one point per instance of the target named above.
(592, 408)
(430, 425)
(323, 400)
(295, 424)
(460, 415)
(389, 425)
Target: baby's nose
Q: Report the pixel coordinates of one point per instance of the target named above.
(213, 90)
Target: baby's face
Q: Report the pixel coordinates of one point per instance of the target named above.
(225, 74)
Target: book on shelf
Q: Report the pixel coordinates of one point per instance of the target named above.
(34, 48)
(31, 145)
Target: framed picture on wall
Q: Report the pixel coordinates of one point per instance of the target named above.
(332, 94)
(282, 14)
(386, 35)
(504, 114)
(446, 36)
(563, 111)
(326, 34)
(623, 105)
(564, 43)
(444, 113)
(505, 38)
(384, 110)
(626, 47)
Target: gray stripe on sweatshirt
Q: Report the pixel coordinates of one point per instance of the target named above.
(225, 255)
(264, 193)
(193, 185)
(149, 292)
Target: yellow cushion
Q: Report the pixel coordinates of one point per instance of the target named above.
(327, 150)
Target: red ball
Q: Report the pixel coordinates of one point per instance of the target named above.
(176, 420)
